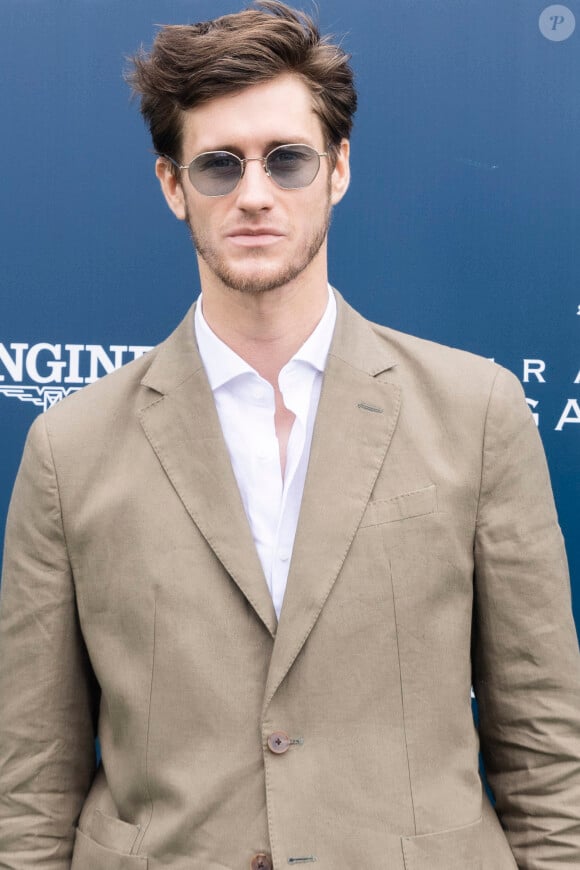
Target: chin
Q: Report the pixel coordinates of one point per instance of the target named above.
(257, 281)
(254, 286)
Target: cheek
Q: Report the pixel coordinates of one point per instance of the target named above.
(316, 203)
(209, 221)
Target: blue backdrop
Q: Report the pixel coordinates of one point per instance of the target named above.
(462, 223)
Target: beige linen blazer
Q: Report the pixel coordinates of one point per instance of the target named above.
(427, 558)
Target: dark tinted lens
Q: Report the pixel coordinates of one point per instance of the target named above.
(293, 166)
(215, 173)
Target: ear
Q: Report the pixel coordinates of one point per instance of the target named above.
(171, 187)
(340, 178)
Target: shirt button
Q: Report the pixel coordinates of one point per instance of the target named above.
(284, 555)
(261, 862)
(278, 742)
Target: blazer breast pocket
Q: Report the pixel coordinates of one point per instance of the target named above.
(454, 849)
(417, 503)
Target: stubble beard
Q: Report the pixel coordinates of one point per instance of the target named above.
(257, 284)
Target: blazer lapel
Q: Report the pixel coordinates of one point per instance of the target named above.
(356, 418)
(183, 428)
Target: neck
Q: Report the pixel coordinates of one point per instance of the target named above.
(266, 329)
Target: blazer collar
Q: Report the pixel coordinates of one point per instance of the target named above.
(354, 342)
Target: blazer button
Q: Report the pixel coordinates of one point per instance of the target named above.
(278, 742)
(262, 862)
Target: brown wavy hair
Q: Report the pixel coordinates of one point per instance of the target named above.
(189, 65)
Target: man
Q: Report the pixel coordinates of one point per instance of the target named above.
(265, 563)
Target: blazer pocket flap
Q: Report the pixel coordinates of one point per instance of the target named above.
(112, 833)
(409, 504)
(90, 855)
(455, 849)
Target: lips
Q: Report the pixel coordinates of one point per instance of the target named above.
(255, 231)
(254, 236)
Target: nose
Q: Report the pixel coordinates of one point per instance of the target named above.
(255, 190)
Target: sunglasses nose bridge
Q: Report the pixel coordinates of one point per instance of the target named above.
(263, 160)
(250, 184)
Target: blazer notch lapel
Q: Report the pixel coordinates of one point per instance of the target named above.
(183, 429)
(356, 419)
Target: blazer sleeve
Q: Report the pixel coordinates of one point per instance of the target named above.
(47, 696)
(526, 658)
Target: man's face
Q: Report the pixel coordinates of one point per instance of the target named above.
(258, 237)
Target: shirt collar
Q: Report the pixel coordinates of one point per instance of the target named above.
(222, 364)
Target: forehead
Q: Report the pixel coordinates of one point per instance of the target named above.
(269, 113)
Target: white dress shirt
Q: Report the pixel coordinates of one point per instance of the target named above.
(245, 406)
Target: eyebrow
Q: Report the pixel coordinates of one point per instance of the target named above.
(269, 146)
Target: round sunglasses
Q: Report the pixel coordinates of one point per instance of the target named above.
(217, 173)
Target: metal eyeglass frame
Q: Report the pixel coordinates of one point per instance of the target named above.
(243, 161)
